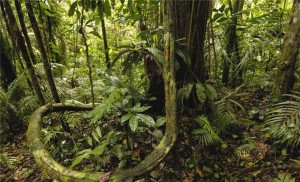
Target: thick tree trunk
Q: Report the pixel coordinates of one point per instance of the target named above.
(13, 23)
(191, 22)
(47, 66)
(287, 61)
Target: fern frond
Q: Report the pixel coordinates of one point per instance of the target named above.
(27, 105)
(245, 150)
(18, 89)
(283, 121)
(205, 134)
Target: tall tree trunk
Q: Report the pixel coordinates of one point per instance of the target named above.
(287, 61)
(106, 48)
(232, 48)
(191, 21)
(81, 31)
(47, 66)
(8, 74)
(53, 54)
(237, 70)
(16, 48)
(13, 23)
(24, 30)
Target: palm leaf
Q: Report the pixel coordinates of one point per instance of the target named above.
(283, 121)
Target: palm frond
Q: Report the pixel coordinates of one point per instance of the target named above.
(205, 134)
(245, 150)
(224, 112)
(283, 121)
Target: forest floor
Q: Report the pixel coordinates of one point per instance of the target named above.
(187, 161)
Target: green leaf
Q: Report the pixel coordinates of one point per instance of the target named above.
(100, 149)
(117, 151)
(186, 58)
(90, 141)
(284, 151)
(158, 134)
(72, 8)
(99, 132)
(148, 120)
(139, 108)
(95, 136)
(210, 92)
(184, 93)
(95, 33)
(48, 13)
(160, 121)
(126, 117)
(156, 54)
(79, 158)
(217, 16)
(133, 123)
(200, 90)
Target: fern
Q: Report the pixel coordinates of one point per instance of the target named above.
(205, 134)
(224, 112)
(283, 121)
(18, 89)
(8, 160)
(284, 177)
(246, 150)
(27, 105)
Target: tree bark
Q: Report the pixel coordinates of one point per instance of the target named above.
(287, 61)
(81, 31)
(15, 46)
(106, 48)
(47, 66)
(8, 74)
(232, 48)
(191, 22)
(21, 43)
(24, 30)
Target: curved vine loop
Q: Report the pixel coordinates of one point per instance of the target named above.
(55, 170)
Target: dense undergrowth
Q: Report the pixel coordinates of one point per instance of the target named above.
(241, 150)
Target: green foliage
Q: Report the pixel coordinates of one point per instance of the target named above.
(205, 134)
(134, 116)
(110, 139)
(283, 121)
(224, 112)
(222, 117)
(203, 91)
(284, 177)
(97, 113)
(246, 150)
(6, 159)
